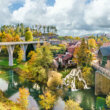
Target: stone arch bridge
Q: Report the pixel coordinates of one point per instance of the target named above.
(10, 47)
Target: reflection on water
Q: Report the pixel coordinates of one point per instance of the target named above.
(59, 105)
(3, 85)
(86, 98)
(10, 84)
(32, 103)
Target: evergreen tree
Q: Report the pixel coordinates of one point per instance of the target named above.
(28, 36)
(83, 56)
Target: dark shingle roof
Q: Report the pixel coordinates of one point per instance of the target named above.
(105, 51)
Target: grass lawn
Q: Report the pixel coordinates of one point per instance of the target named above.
(4, 63)
(65, 72)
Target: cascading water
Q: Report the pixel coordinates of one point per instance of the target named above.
(70, 79)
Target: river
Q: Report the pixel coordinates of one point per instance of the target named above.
(10, 84)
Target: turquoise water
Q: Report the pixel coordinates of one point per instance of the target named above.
(10, 84)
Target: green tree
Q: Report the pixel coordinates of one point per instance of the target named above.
(28, 36)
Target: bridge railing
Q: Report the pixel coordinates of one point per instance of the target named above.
(17, 43)
(104, 71)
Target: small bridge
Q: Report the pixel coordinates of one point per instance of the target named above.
(102, 80)
(10, 47)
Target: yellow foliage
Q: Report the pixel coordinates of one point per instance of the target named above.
(13, 106)
(87, 74)
(76, 38)
(54, 80)
(2, 72)
(55, 48)
(9, 38)
(72, 105)
(75, 54)
(92, 43)
(47, 100)
(108, 100)
(23, 97)
(62, 46)
(20, 56)
(32, 55)
(16, 38)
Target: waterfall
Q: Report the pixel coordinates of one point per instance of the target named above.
(73, 86)
(75, 73)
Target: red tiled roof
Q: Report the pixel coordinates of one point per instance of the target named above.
(67, 56)
(106, 44)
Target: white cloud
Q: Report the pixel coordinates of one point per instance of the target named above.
(72, 17)
(4, 12)
(98, 13)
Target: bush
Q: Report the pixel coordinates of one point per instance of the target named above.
(100, 102)
(108, 101)
(47, 100)
(72, 105)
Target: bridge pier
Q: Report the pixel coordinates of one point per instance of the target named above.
(0, 48)
(35, 46)
(10, 49)
(24, 48)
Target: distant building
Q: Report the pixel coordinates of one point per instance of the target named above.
(64, 59)
(72, 46)
(106, 44)
(104, 57)
(55, 42)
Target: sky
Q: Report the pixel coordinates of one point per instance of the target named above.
(71, 17)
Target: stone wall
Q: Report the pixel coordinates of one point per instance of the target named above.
(108, 64)
(102, 84)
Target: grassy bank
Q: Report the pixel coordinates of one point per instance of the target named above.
(4, 63)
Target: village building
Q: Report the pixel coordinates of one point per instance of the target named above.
(104, 57)
(66, 59)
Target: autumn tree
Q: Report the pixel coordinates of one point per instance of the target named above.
(82, 55)
(9, 38)
(87, 75)
(92, 43)
(108, 101)
(63, 46)
(76, 38)
(54, 80)
(16, 38)
(23, 97)
(20, 56)
(72, 105)
(38, 66)
(47, 100)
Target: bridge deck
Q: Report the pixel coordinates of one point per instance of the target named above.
(20, 43)
(102, 70)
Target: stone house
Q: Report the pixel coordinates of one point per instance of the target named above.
(104, 57)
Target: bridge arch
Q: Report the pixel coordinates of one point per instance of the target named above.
(11, 45)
